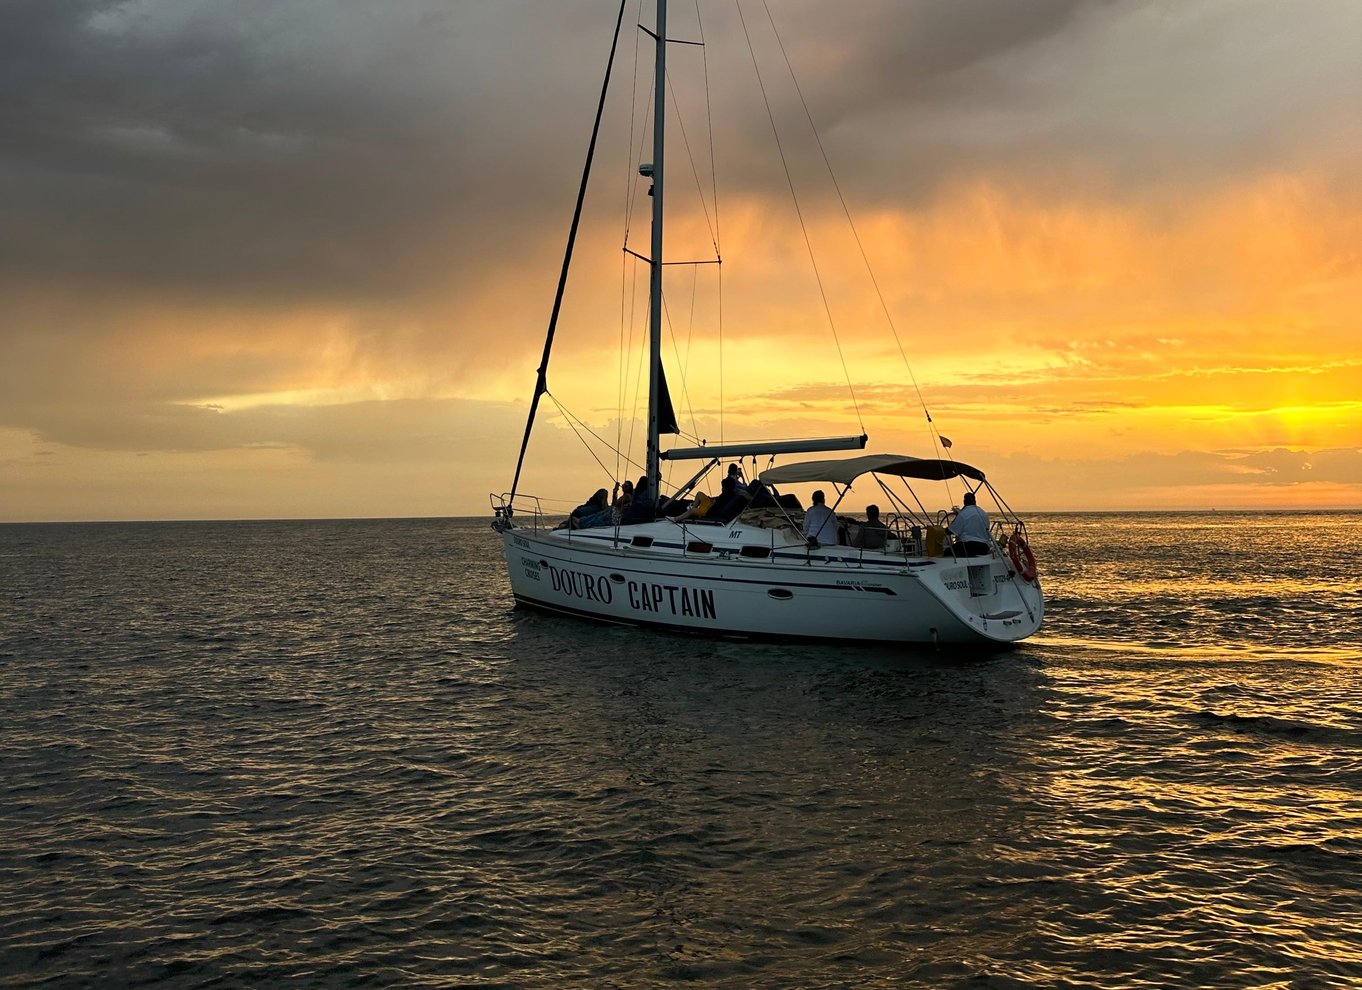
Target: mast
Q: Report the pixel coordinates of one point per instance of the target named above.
(655, 264)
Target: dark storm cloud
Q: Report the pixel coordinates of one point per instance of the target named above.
(286, 148)
(274, 147)
(920, 52)
(1085, 96)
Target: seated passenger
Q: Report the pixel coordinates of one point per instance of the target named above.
(760, 497)
(735, 472)
(820, 523)
(623, 500)
(729, 503)
(596, 504)
(699, 509)
(642, 508)
(970, 527)
(673, 507)
(873, 534)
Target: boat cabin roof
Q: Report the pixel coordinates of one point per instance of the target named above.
(845, 471)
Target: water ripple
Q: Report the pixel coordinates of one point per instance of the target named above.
(352, 765)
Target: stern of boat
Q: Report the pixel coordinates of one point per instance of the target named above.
(988, 597)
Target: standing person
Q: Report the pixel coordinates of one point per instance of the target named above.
(820, 523)
(970, 528)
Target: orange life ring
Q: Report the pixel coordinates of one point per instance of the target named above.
(1018, 550)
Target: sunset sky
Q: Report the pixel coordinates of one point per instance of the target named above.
(295, 258)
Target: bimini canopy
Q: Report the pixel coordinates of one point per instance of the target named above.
(844, 472)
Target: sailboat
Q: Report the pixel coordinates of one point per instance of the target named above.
(749, 568)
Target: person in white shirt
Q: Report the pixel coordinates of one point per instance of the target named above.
(970, 528)
(820, 522)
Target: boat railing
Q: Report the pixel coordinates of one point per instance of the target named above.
(905, 535)
(520, 511)
(911, 537)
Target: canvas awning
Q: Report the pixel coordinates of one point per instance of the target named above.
(761, 447)
(844, 472)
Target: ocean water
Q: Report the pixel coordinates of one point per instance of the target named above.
(330, 754)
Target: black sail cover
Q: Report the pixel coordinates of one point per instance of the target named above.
(666, 415)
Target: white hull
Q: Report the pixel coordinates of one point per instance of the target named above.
(832, 593)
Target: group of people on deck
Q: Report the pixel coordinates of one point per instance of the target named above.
(970, 528)
(823, 528)
(631, 503)
(735, 495)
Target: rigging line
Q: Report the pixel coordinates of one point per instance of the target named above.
(808, 244)
(865, 258)
(913, 492)
(884, 489)
(1007, 512)
(629, 147)
(621, 383)
(575, 422)
(690, 326)
(721, 353)
(580, 423)
(680, 125)
(638, 383)
(553, 501)
(633, 158)
(685, 391)
(714, 195)
(625, 352)
(541, 384)
(625, 297)
(634, 176)
(709, 123)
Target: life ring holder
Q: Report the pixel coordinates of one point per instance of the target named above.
(1019, 552)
